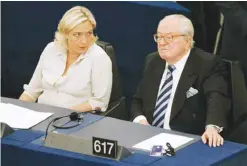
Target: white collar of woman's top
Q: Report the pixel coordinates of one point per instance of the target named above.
(62, 52)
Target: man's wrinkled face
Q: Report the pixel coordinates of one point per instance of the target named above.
(172, 44)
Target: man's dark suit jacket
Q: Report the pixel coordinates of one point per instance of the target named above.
(234, 39)
(202, 71)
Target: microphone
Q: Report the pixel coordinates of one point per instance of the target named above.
(78, 116)
(98, 109)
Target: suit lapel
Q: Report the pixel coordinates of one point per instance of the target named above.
(187, 79)
(155, 77)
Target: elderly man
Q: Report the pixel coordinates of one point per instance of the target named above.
(183, 88)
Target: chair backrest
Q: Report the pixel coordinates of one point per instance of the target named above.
(238, 114)
(238, 91)
(116, 107)
(116, 85)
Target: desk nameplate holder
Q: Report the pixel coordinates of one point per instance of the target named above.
(5, 130)
(78, 145)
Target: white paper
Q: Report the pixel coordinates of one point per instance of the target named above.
(161, 139)
(19, 117)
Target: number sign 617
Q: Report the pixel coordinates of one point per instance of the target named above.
(104, 147)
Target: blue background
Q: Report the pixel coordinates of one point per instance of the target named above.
(27, 27)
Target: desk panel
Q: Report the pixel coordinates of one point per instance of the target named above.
(200, 154)
(18, 149)
(58, 111)
(126, 133)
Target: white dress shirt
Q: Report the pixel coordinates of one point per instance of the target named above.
(176, 74)
(88, 79)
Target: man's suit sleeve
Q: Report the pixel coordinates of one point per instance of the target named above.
(235, 14)
(137, 105)
(216, 90)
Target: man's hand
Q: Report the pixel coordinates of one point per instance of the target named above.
(212, 136)
(144, 122)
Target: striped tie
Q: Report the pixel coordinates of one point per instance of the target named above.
(163, 99)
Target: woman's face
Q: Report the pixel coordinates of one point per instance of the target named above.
(80, 38)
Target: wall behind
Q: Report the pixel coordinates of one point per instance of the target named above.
(27, 27)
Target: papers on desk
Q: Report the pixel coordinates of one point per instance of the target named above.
(19, 117)
(161, 139)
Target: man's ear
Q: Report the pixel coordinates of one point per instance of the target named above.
(189, 41)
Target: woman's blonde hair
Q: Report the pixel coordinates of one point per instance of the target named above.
(70, 20)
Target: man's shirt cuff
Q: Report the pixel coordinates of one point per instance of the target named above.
(138, 118)
(219, 129)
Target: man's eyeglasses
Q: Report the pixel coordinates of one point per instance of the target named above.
(167, 37)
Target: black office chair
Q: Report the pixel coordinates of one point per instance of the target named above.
(237, 120)
(116, 107)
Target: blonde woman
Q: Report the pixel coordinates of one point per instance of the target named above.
(73, 72)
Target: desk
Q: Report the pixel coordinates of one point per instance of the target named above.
(58, 112)
(18, 148)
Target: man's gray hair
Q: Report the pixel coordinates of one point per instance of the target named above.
(186, 26)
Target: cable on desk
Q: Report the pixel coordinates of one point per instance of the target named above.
(74, 116)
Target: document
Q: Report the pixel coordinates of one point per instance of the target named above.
(19, 117)
(161, 139)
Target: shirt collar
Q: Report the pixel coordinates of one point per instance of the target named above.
(63, 52)
(60, 50)
(89, 51)
(181, 63)
(86, 54)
